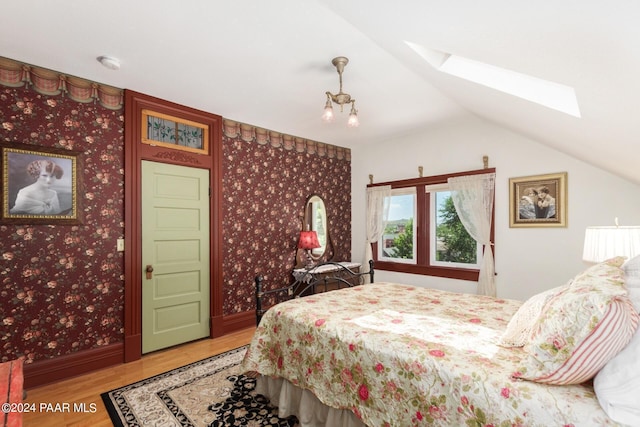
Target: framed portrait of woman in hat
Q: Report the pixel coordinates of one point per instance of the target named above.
(39, 185)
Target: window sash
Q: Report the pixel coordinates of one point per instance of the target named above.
(433, 230)
(423, 226)
(410, 191)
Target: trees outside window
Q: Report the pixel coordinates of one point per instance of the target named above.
(398, 243)
(453, 243)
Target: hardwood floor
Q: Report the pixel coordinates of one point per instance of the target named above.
(86, 389)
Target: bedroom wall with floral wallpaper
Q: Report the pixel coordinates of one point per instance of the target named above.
(62, 285)
(265, 187)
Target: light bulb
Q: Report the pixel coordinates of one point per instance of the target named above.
(353, 121)
(328, 116)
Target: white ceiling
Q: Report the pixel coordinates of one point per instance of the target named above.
(268, 63)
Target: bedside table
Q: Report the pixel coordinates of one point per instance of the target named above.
(317, 273)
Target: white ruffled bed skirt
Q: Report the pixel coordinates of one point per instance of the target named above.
(310, 411)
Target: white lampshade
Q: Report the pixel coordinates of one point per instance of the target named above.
(602, 243)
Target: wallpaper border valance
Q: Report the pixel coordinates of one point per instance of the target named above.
(47, 82)
(250, 133)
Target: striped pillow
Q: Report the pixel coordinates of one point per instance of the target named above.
(581, 328)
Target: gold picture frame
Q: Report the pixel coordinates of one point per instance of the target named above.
(174, 132)
(40, 185)
(538, 201)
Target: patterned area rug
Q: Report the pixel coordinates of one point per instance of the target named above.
(211, 392)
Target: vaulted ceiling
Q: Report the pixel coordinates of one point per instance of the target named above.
(268, 63)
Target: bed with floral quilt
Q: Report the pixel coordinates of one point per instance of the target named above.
(388, 354)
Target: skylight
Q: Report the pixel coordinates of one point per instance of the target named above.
(549, 94)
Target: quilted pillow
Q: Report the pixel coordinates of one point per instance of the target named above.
(519, 327)
(581, 328)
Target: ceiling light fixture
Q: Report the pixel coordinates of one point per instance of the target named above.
(340, 98)
(109, 62)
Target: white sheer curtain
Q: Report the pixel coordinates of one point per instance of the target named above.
(378, 199)
(473, 198)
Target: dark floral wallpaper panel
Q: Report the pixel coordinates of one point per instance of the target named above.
(264, 194)
(61, 286)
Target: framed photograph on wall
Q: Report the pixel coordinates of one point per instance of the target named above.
(538, 201)
(40, 185)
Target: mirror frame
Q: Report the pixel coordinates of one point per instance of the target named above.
(307, 224)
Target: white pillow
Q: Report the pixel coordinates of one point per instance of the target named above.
(634, 296)
(618, 382)
(632, 272)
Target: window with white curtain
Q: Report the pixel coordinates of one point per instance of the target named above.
(439, 244)
(398, 241)
(450, 245)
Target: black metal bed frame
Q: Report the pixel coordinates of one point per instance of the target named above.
(308, 282)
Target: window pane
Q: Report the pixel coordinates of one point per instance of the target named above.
(398, 240)
(174, 132)
(450, 243)
(169, 131)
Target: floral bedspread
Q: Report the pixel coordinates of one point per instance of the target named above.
(399, 355)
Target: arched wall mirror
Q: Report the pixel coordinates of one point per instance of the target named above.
(315, 219)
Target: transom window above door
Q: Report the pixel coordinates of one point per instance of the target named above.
(174, 132)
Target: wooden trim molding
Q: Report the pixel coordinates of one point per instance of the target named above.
(238, 321)
(135, 152)
(84, 362)
(63, 367)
